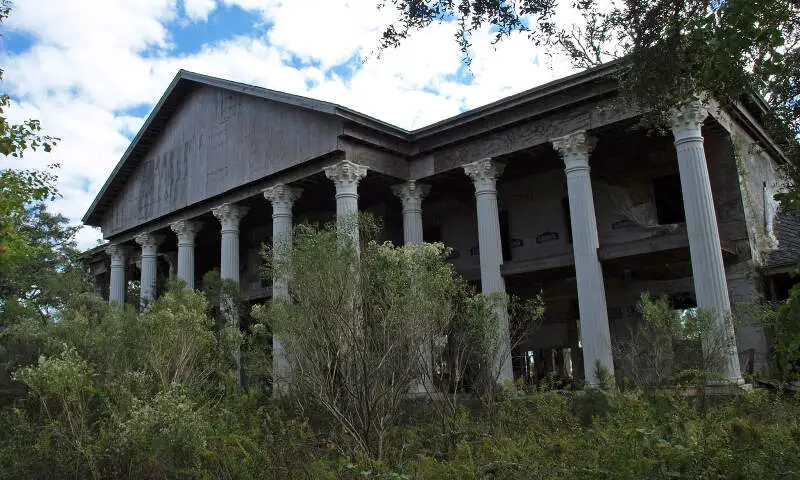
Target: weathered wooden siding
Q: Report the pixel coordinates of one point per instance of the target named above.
(215, 142)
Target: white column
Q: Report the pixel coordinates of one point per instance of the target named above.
(116, 289)
(186, 232)
(346, 176)
(484, 174)
(229, 217)
(595, 336)
(708, 271)
(411, 194)
(147, 287)
(282, 197)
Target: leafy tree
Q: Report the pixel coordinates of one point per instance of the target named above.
(20, 187)
(37, 287)
(734, 50)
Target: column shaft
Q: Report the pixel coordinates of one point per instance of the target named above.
(147, 287)
(346, 176)
(186, 232)
(229, 217)
(595, 335)
(484, 174)
(116, 289)
(708, 270)
(411, 194)
(282, 197)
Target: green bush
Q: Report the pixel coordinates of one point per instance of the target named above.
(153, 395)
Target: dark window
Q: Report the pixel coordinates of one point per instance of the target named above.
(669, 199)
(432, 234)
(505, 239)
(567, 218)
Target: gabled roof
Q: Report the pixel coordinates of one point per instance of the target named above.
(185, 81)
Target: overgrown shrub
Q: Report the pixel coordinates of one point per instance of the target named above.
(669, 347)
(98, 407)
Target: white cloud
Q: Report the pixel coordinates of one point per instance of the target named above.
(198, 10)
(95, 61)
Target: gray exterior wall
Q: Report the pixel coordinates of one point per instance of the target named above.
(215, 142)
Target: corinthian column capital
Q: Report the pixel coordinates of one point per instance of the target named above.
(346, 175)
(229, 215)
(484, 174)
(149, 242)
(186, 230)
(118, 254)
(411, 194)
(282, 197)
(575, 149)
(687, 120)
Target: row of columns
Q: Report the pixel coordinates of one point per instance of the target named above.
(345, 175)
(575, 150)
(708, 271)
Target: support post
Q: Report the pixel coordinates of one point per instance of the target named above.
(282, 198)
(346, 176)
(595, 335)
(484, 174)
(186, 232)
(149, 243)
(229, 217)
(411, 194)
(117, 285)
(708, 271)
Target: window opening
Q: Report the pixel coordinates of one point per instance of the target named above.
(669, 199)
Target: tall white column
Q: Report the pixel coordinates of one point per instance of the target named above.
(186, 232)
(346, 176)
(484, 174)
(708, 271)
(282, 198)
(595, 336)
(116, 289)
(411, 194)
(147, 287)
(229, 217)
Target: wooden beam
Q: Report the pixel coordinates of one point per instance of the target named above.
(516, 267)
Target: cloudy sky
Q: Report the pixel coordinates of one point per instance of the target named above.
(91, 70)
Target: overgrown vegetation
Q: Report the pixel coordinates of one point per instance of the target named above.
(105, 393)
(154, 395)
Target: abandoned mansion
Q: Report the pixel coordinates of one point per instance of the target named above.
(557, 190)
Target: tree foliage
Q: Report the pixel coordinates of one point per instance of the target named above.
(37, 287)
(20, 187)
(358, 333)
(734, 50)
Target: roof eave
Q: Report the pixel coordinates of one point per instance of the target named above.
(89, 217)
(561, 84)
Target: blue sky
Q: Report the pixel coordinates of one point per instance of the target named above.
(91, 70)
